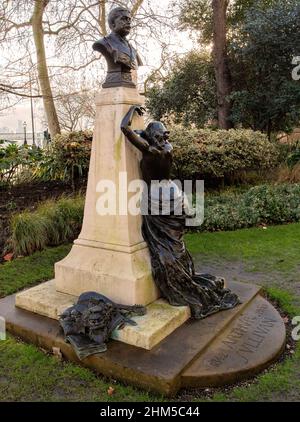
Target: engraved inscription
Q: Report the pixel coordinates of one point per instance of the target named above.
(245, 338)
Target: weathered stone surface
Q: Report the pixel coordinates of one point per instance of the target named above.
(249, 344)
(110, 255)
(122, 276)
(44, 300)
(160, 321)
(169, 365)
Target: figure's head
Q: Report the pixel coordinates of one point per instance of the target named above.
(99, 316)
(71, 314)
(156, 133)
(119, 20)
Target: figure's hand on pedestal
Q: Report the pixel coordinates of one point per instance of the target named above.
(127, 121)
(138, 141)
(139, 110)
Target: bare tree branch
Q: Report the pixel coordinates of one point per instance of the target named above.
(13, 90)
(61, 39)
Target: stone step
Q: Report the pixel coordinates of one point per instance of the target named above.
(160, 320)
(164, 368)
(43, 299)
(253, 340)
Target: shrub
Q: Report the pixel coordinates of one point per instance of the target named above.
(293, 158)
(220, 153)
(265, 204)
(28, 233)
(17, 162)
(67, 158)
(53, 223)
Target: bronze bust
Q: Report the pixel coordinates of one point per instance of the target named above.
(120, 56)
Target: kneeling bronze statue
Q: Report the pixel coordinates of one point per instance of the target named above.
(172, 265)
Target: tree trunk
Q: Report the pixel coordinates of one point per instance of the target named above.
(43, 75)
(102, 17)
(222, 72)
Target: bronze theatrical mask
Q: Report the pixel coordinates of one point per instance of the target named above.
(89, 323)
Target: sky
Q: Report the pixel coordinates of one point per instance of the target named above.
(180, 42)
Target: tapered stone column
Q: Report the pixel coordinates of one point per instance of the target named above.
(110, 256)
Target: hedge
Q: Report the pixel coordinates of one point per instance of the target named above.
(265, 204)
(220, 153)
(54, 223)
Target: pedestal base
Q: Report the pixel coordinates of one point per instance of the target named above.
(110, 255)
(160, 321)
(224, 348)
(120, 273)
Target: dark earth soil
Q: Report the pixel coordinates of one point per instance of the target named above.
(18, 198)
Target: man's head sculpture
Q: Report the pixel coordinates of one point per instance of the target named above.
(119, 21)
(120, 56)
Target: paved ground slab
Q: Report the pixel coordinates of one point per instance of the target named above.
(193, 355)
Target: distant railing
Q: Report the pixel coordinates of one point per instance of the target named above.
(18, 138)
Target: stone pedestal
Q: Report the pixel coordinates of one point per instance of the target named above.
(160, 320)
(110, 256)
(224, 348)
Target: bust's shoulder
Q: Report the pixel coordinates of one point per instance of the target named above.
(108, 43)
(101, 44)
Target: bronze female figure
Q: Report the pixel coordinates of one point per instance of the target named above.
(172, 266)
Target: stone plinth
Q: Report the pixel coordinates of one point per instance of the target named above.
(110, 256)
(160, 321)
(45, 300)
(223, 348)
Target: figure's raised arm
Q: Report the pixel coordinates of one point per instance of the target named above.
(130, 134)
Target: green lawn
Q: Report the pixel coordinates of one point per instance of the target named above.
(25, 272)
(26, 373)
(274, 249)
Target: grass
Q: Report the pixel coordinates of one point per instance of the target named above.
(53, 223)
(284, 299)
(279, 384)
(274, 249)
(25, 272)
(26, 373)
